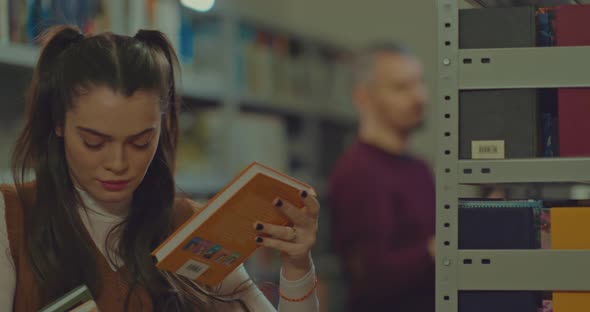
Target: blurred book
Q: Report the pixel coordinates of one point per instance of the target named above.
(342, 84)
(197, 134)
(281, 85)
(210, 150)
(31, 18)
(320, 74)
(258, 137)
(77, 300)
(299, 70)
(255, 61)
(218, 238)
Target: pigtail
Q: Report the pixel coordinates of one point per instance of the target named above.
(53, 42)
(156, 39)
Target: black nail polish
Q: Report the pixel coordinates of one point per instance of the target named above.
(259, 227)
(259, 240)
(303, 194)
(279, 203)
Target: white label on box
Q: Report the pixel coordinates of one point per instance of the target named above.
(192, 269)
(487, 149)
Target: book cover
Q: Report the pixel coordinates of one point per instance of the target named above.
(571, 29)
(570, 231)
(491, 28)
(78, 300)
(496, 301)
(507, 116)
(497, 224)
(215, 241)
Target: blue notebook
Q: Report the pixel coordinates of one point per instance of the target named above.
(493, 224)
(499, 301)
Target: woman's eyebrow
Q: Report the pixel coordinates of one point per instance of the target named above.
(106, 136)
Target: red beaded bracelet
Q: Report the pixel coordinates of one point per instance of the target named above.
(309, 293)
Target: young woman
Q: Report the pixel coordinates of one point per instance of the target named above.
(100, 138)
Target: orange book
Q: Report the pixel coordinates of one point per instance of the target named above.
(570, 231)
(215, 241)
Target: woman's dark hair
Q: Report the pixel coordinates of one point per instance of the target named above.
(55, 238)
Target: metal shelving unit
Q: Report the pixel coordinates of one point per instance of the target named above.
(520, 68)
(509, 3)
(458, 69)
(523, 170)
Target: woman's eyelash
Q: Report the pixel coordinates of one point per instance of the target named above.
(93, 146)
(99, 145)
(142, 146)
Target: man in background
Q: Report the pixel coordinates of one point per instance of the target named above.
(383, 199)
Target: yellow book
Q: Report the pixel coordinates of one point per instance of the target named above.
(217, 239)
(570, 231)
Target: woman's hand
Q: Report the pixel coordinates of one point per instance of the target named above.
(295, 242)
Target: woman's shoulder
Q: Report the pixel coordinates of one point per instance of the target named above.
(25, 190)
(7, 189)
(13, 195)
(184, 208)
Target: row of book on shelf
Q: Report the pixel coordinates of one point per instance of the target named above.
(269, 63)
(524, 123)
(207, 143)
(523, 224)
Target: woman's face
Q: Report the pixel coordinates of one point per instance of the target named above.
(110, 141)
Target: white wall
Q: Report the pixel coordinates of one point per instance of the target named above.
(353, 23)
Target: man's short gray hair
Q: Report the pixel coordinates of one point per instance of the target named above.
(365, 58)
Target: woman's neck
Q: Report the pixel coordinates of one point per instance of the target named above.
(114, 210)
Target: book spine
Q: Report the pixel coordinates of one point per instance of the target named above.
(545, 35)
